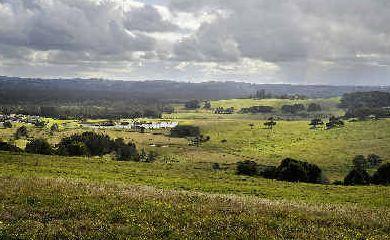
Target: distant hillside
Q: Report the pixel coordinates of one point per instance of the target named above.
(19, 90)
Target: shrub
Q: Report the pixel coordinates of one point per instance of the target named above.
(270, 123)
(185, 131)
(125, 152)
(97, 144)
(147, 157)
(7, 124)
(21, 132)
(297, 171)
(216, 166)
(268, 172)
(4, 146)
(39, 146)
(382, 175)
(73, 149)
(357, 176)
(247, 167)
(334, 122)
(316, 122)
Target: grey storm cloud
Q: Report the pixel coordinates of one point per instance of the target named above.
(95, 27)
(282, 30)
(300, 41)
(148, 19)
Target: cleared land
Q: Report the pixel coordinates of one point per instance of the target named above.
(181, 196)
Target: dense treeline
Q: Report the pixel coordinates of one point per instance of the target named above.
(364, 104)
(22, 90)
(292, 170)
(85, 144)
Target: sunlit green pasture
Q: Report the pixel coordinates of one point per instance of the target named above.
(181, 195)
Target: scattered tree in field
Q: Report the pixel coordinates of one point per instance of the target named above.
(374, 160)
(4, 146)
(39, 146)
(314, 107)
(334, 122)
(185, 131)
(357, 176)
(7, 124)
(193, 104)
(21, 132)
(247, 167)
(270, 123)
(314, 123)
(382, 175)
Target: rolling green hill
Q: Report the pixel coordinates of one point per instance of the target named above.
(181, 195)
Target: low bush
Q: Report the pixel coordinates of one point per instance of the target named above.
(4, 146)
(72, 149)
(185, 131)
(247, 167)
(147, 156)
(97, 144)
(125, 152)
(268, 172)
(292, 170)
(289, 170)
(39, 146)
(21, 132)
(7, 124)
(357, 176)
(382, 175)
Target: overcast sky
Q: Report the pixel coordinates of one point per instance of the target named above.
(262, 41)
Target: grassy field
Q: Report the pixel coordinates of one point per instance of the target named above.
(180, 195)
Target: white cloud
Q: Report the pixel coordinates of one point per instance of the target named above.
(326, 41)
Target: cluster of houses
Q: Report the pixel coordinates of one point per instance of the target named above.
(134, 125)
(19, 118)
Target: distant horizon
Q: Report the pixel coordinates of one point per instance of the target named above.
(184, 81)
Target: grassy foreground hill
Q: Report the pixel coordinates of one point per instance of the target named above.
(56, 197)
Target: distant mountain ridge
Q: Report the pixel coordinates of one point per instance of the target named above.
(14, 89)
